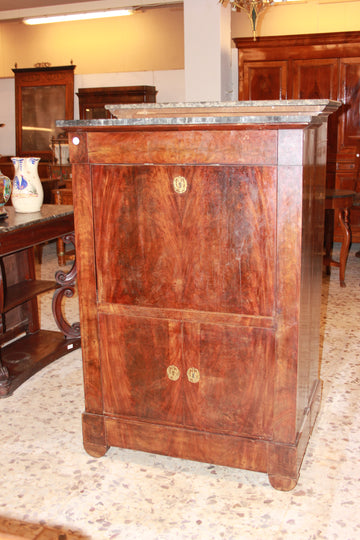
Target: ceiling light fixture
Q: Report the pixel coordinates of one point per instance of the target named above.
(79, 16)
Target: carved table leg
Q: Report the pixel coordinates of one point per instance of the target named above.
(67, 289)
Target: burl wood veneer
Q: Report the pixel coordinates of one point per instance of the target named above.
(199, 238)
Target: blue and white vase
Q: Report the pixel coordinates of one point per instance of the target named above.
(27, 192)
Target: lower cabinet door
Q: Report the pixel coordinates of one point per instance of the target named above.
(208, 377)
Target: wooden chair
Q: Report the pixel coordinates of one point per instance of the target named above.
(338, 201)
(63, 196)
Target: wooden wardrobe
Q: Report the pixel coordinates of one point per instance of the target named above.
(313, 66)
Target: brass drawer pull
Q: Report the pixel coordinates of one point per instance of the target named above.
(180, 184)
(193, 375)
(173, 373)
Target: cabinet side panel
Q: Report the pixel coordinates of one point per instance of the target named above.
(311, 266)
(288, 300)
(84, 243)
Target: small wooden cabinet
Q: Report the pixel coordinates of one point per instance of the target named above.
(199, 234)
(92, 101)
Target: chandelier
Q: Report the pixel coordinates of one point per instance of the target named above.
(253, 8)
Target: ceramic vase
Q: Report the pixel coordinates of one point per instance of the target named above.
(27, 191)
(5, 192)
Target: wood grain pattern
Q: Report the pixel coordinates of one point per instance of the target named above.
(307, 67)
(174, 147)
(193, 250)
(138, 353)
(233, 395)
(201, 306)
(25, 347)
(188, 444)
(84, 244)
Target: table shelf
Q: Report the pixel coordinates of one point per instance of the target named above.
(20, 293)
(31, 353)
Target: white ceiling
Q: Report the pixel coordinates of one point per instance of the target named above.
(17, 9)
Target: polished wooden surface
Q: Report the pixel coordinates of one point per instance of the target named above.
(41, 113)
(313, 66)
(92, 101)
(33, 348)
(200, 262)
(63, 196)
(339, 201)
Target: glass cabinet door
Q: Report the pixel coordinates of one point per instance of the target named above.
(42, 96)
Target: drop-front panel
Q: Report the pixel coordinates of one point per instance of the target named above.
(199, 247)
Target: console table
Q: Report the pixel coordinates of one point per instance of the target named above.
(199, 238)
(25, 347)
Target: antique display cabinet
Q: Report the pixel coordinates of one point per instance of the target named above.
(199, 235)
(42, 96)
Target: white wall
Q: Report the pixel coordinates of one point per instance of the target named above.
(169, 84)
(7, 117)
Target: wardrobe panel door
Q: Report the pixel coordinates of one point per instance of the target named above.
(264, 81)
(318, 79)
(350, 96)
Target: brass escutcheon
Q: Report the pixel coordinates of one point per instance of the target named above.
(180, 184)
(193, 375)
(173, 373)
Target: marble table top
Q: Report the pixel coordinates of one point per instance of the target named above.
(16, 220)
(201, 113)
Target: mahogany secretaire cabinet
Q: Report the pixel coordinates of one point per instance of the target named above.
(199, 235)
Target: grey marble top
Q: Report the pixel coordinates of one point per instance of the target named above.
(16, 220)
(205, 113)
